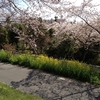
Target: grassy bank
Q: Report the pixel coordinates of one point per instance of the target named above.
(8, 93)
(71, 69)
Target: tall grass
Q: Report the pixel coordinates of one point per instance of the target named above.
(67, 68)
(8, 93)
(4, 56)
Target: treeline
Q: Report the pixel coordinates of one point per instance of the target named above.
(17, 37)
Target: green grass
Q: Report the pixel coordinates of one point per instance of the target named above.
(67, 68)
(9, 93)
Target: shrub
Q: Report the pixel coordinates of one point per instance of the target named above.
(4, 56)
(67, 68)
(65, 49)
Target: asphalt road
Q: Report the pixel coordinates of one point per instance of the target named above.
(47, 86)
(10, 73)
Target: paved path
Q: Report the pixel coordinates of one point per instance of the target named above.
(47, 86)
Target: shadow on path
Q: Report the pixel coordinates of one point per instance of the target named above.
(52, 87)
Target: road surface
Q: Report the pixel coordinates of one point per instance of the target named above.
(47, 86)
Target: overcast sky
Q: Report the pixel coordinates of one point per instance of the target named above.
(78, 2)
(52, 14)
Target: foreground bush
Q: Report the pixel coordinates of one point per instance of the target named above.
(67, 68)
